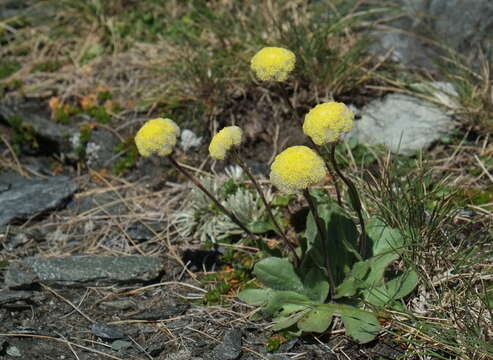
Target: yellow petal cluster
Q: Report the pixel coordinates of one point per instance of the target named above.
(327, 122)
(224, 140)
(273, 63)
(157, 136)
(296, 168)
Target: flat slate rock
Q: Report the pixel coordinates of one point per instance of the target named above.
(77, 271)
(37, 117)
(403, 123)
(21, 198)
(107, 332)
(7, 296)
(230, 348)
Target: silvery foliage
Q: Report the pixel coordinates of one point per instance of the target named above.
(199, 218)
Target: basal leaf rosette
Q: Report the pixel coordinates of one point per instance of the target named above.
(157, 137)
(224, 140)
(273, 63)
(327, 122)
(297, 168)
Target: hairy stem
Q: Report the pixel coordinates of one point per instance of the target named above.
(245, 168)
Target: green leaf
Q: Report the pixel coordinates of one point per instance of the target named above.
(316, 285)
(284, 322)
(383, 238)
(281, 200)
(317, 320)
(261, 227)
(282, 299)
(288, 309)
(361, 325)
(378, 264)
(278, 274)
(256, 297)
(378, 295)
(403, 284)
(349, 287)
(361, 269)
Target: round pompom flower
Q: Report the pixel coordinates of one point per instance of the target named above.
(157, 136)
(224, 140)
(296, 168)
(273, 63)
(327, 122)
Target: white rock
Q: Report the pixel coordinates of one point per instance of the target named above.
(403, 123)
(189, 140)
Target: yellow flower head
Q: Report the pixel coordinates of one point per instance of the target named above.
(296, 168)
(224, 140)
(157, 136)
(273, 63)
(327, 122)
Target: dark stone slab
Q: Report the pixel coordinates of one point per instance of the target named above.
(7, 296)
(21, 198)
(56, 138)
(81, 270)
(37, 117)
(230, 348)
(107, 332)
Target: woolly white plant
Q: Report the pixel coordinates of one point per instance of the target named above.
(199, 219)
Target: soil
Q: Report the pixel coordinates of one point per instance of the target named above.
(159, 321)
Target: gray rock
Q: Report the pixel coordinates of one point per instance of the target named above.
(120, 345)
(107, 332)
(230, 348)
(404, 48)
(59, 138)
(462, 25)
(100, 149)
(80, 270)
(23, 198)
(122, 304)
(37, 117)
(7, 296)
(288, 345)
(180, 355)
(402, 123)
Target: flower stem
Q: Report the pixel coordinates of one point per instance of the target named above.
(322, 233)
(212, 197)
(245, 168)
(286, 99)
(355, 200)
